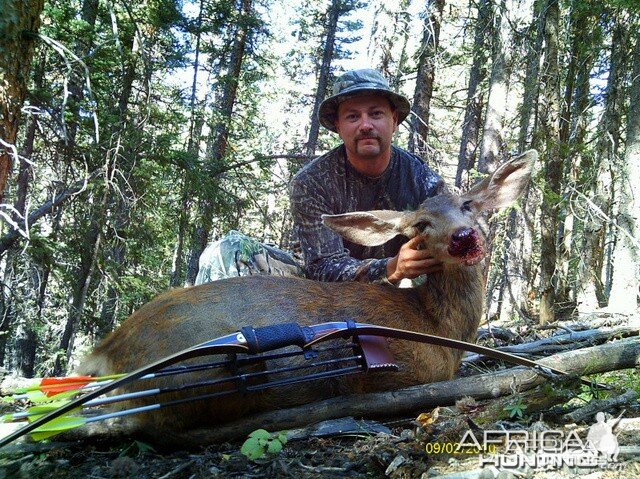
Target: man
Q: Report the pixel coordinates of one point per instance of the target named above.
(366, 172)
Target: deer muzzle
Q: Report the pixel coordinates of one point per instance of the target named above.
(466, 245)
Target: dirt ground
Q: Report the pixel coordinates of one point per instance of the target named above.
(400, 455)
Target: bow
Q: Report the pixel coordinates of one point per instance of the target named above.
(264, 339)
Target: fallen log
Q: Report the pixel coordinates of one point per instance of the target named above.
(561, 342)
(622, 354)
(589, 411)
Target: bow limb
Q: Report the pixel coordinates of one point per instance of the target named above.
(232, 343)
(328, 331)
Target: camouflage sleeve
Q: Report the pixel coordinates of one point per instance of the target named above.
(325, 257)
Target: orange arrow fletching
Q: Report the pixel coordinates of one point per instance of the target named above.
(57, 385)
(53, 386)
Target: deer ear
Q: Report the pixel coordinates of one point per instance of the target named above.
(368, 228)
(505, 185)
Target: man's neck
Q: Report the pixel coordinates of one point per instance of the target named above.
(371, 167)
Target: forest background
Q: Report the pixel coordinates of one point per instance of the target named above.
(133, 133)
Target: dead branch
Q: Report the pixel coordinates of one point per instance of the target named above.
(587, 412)
(7, 240)
(563, 342)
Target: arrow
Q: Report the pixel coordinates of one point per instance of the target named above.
(42, 409)
(67, 422)
(35, 394)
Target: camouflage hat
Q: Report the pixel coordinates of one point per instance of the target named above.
(355, 83)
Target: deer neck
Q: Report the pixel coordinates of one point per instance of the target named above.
(457, 293)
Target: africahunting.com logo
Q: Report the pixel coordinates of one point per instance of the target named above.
(549, 449)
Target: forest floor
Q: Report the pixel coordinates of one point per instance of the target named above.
(399, 455)
(418, 447)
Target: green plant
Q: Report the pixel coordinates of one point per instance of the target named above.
(261, 442)
(516, 409)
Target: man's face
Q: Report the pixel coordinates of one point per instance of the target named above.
(366, 125)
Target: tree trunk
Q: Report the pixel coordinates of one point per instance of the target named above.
(518, 271)
(584, 32)
(389, 38)
(88, 263)
(193, 147)
(578, 32)
(26, 337)
(18, 32)
(333, 15)
(626, 268)
(492, 146)
(473, 110)
(596, 180)
(419, 139)
(531, 85)
(218, 140)
(550, 113)
(82, 49)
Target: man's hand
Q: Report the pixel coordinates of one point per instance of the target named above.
(411, 262)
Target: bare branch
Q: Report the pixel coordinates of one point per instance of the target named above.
(10, 238)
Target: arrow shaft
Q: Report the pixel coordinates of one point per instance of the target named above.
(238, 378)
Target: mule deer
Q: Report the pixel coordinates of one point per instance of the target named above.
(448, 304)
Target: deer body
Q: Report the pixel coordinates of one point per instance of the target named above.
(448, 304)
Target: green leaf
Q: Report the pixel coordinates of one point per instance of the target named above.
(274, 447)
(252, 449)
(261, 433)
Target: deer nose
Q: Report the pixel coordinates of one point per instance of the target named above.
(463, 240)
(463, 234)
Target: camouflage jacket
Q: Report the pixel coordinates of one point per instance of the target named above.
(330, 185)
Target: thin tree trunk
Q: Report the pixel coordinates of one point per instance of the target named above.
(76, 83)
(492, 147)
(88, 263)
(596, 180)
(553, 167)
(578, 26)
(389, 38)
(577, 135)
(218, 140)
(531, 85)
(429, 46)
(473, 110)
(626, 268)
(518, 274)
(325, 71)
(26, 338)
(193, 146)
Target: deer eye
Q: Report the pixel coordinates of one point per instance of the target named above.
(422, 225)
(466, 206)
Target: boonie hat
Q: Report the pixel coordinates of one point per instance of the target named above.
(356, 83)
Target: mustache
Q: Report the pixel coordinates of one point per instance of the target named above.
(367, 137)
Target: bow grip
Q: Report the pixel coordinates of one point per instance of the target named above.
(277, 336)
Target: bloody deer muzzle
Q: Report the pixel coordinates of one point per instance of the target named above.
(466, 244)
